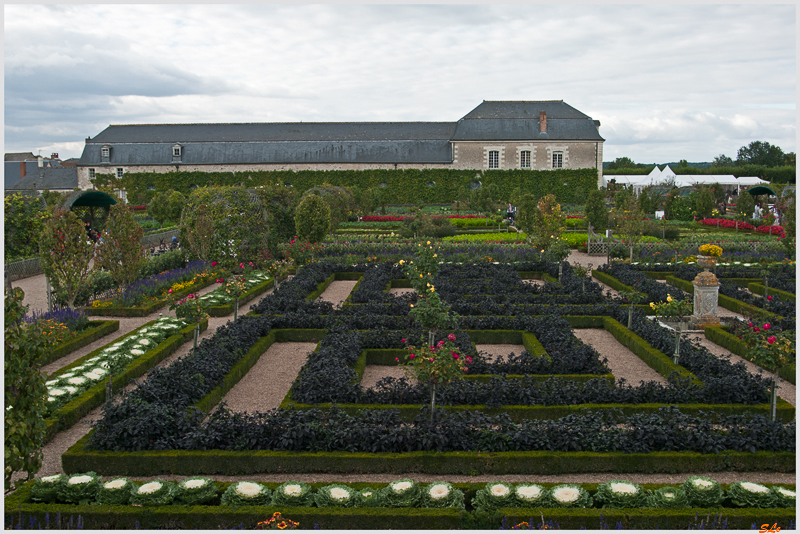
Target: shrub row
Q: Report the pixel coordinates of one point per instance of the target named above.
(145, 309)
(722, 337)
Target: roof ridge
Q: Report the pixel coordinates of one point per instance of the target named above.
(296, 122)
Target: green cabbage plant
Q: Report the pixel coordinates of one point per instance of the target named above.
(570, 496)
(293, 494)
(80, 488)
(246, 494)
(195, 490)
(369, 497)
(335, 495)
(442, 495)
(750, 495)
(531, 496)
(493, 496)
(155, 493)
(620, 494)
(116, 491)
(403, 493)
(784, 498)
(667, 497)
(45, 489)
(702, 492)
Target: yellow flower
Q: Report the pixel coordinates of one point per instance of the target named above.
(669, 299)
(420, 276)
(412, 305)
(652, 305)
(435, 255)
(429, 242)
(402, 262)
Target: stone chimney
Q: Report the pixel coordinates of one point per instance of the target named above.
(22, 169)
(54, 155)
(40, 159)
(542, 122)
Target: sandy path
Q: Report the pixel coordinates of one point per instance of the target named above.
(621, 360)
(338, 291)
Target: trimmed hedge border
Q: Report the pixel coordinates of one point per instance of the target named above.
(79, 458)
(72, 412)
(725, 301)
(210, 517)
(247, 296)
(722, 337)
(87, 336)
(143, 311)
(758, 288)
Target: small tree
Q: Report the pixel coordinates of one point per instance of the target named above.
(745, 205)
(121, 252)
(596, 210)
(176, 203)
(312, 218)
(65, 254)
(482, 200)
(548, 222)
(24, 220)
(158, 208)
(26, 391)
(630, 221)
(705, 202)
(674, 309)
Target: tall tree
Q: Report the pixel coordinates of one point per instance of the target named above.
(722, 161)
(312, 218)
(121, 252)
(596, 210)
(621, 163)
(158, 208)
(65, 252)
(630, 221)
(176, 203)
(760, 153)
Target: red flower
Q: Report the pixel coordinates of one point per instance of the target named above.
(241, 265)
(440, 344)
(397, 359)
(749, 324)
(756, 329)
(403, 340)
(170, 291)
(455, 356)
(213, 264)
(771, 340)
(451, 337)
(769, 297)
(469, 359)
(251, 264)
(430, 360)
(411, 356)
(767, 326)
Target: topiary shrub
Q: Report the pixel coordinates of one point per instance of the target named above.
(312, 218)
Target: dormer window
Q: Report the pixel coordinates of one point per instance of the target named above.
(176, 152)
(105, 153)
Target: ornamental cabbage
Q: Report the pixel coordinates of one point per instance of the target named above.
(80, 488)
(45, 489)
(570, 496)
(293, 494)
(750, 495)
(404, 493)
(335, 495)
(620, 494)
(116, 491)
(667, 497)
(154, 493)
(369, 497)
(702, 492)
(246, 494)
(493, 496)
(784, 498)
(195, 490)
(441, 495)
(531, 496)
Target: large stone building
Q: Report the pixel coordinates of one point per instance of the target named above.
(494, 135)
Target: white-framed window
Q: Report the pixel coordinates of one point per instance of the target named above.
(176, 151)
(494, 159)
(120, 172)
(91, 174)
(525, 159)
(558, 160)
(105, 151)
(122, 194)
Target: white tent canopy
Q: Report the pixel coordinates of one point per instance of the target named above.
(666, 176)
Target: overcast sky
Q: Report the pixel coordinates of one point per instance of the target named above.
(667, 82)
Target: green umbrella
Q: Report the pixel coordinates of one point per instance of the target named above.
(761, 190)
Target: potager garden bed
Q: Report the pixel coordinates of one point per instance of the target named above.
(554, 408)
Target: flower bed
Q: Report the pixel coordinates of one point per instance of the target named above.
(772, 230)
(149, 307)
(726, 223)
(94, 331)
(221, 303)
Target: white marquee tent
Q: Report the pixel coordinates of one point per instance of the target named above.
(666, 176)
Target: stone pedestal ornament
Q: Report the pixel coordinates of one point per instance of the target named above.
(706, 295)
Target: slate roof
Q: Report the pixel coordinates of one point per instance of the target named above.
(45, 178)
(20, 156)
(332, 142)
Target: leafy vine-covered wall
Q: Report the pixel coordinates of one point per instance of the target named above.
(408, 186)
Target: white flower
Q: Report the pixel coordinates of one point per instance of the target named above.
(71, 390)
(619, 487)
(137, 352)
(118, 345)
(143, 331)
(247, 489)
(701, 482)
(754, 488)
(144, 341)
(788, 493)
(56, 392)
(340, 494)
(114, 484)
(67, 375)
(93, 376)
(51, 399)
(292, 489)
(401, 486)
(51, 382)
(499, 490)
(150, 487)
(81, 479)
(195, 483)
(566, 495)
(76, 380)
(439, 491)
(50, 479)
(529, 492)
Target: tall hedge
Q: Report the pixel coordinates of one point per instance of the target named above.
(409, 186)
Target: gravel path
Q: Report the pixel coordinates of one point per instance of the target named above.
(338, 291)
(492, 352)
(624, 364)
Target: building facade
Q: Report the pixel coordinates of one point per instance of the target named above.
(495, 135)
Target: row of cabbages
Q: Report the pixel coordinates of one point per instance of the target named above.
(697, 491)
(63, 387)
(219, 297)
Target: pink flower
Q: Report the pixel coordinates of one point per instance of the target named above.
(250, 264)
(769, 297)
(767, 326)
(749, 324)
(241, 265)
(771, 340)
(469, 359)
(397, 359)
(213, 264)
(756, 329)
(451, 337)
(455, 356)
(430, 360)
(170, 291)
(411, 356)
(440, 344)
(403, 340)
